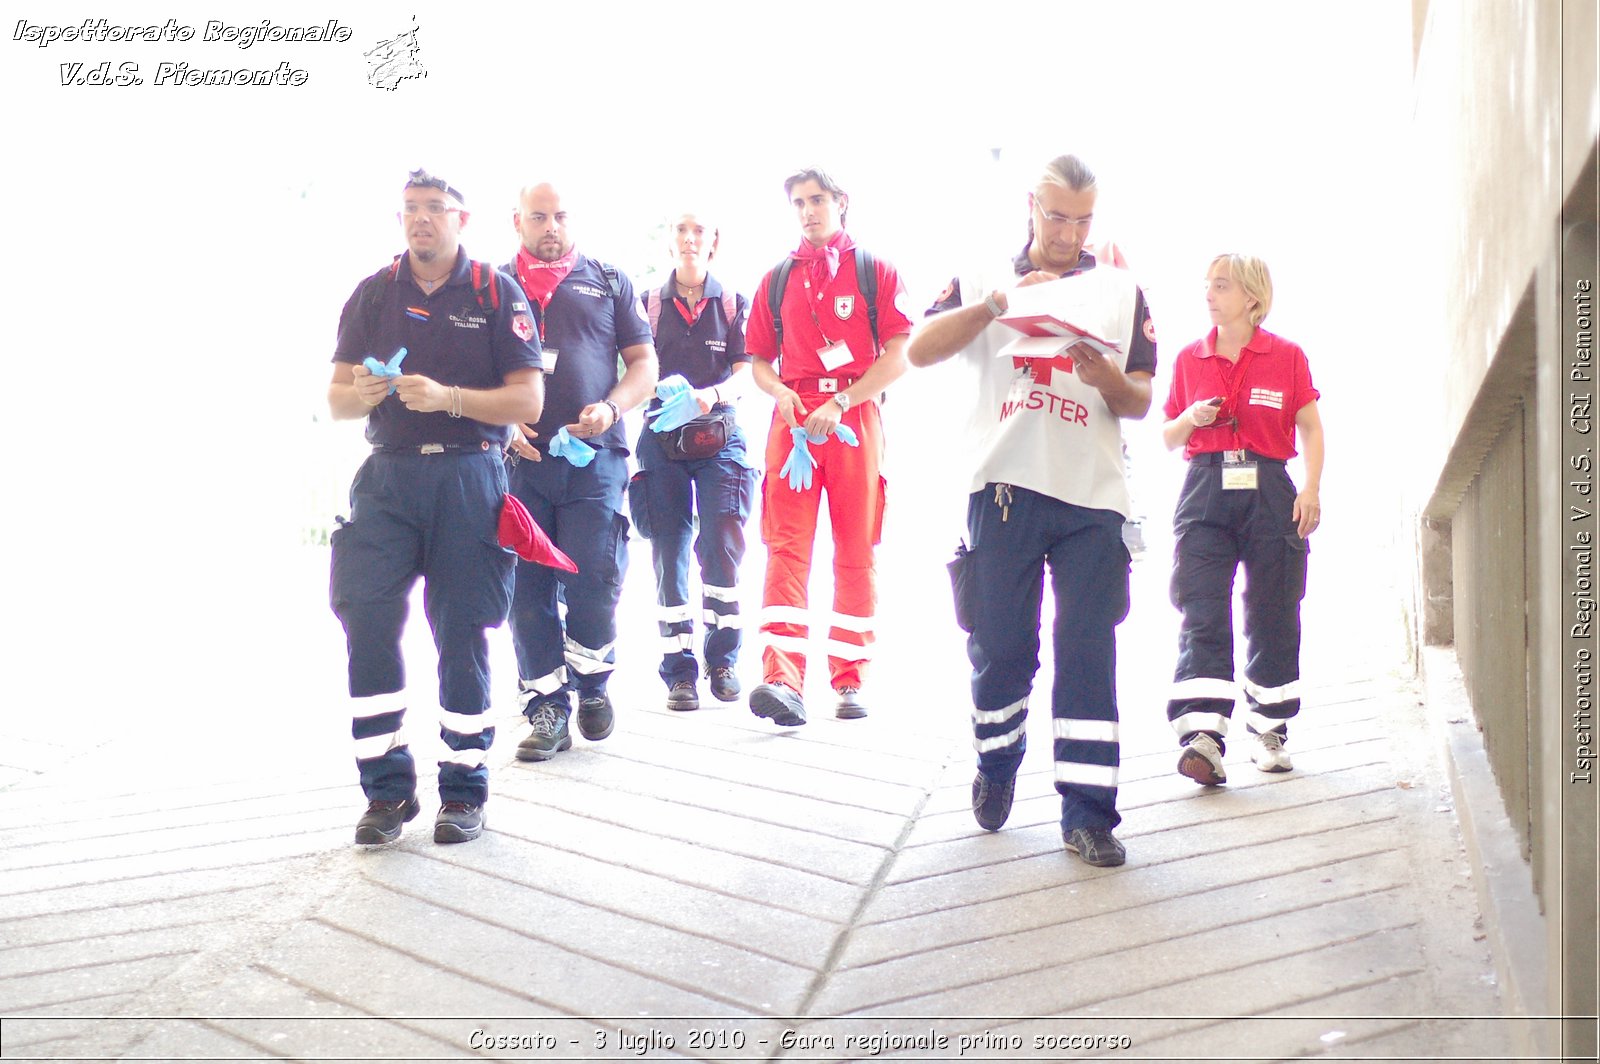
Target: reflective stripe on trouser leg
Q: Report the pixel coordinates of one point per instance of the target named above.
(552, 685)
(855, 511)
(1204, 560)
(666, 495)
(1000, 736)
(788, 527)
(675, 622)
(463, 776)
(1275, 559)
(1089, 568)
(582, 505)
(382, 757)
(1007, 567)
(725, 494)
(724, 625)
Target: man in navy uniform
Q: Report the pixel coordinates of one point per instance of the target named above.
(570, 470)
(427, 502)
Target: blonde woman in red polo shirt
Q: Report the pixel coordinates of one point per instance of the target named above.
(1239, 397)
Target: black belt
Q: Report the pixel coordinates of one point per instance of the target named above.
(1218, 457)
(821, 385)
(481, 447)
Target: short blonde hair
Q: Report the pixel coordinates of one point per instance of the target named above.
(1250, 274)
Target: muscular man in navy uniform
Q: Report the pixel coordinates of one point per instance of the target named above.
(588, 318)
(427, 502)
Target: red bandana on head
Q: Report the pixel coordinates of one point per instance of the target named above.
(822, 263)
(539, 278)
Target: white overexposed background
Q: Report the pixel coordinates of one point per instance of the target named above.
(177, 258)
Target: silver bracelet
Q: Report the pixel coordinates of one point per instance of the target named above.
(455, 401)
(616, 415)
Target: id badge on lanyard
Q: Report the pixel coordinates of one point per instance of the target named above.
(1238, 472)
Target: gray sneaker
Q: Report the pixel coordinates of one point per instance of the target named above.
(1097, 846)
(1268, 752)
(1201, 761)
(549, 735)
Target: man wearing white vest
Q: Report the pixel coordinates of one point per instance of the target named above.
(1048, 486)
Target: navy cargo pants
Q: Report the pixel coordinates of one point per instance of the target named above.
(434, 517)
(1217, 529)
(564, 625)
(668, 498)
(1014, 533)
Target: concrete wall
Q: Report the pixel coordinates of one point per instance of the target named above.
(1505, 126)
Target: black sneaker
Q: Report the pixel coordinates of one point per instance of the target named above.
(724, 684)
(991, 800)
(458, 822)
(549, 735)
(681, 697)
(380, 824)
(850, 707)
(779, 704)
(595, 719)
(1097, 846)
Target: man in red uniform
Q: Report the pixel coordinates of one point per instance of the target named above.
(825, 362)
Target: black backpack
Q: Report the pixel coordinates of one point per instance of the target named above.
(866, 281)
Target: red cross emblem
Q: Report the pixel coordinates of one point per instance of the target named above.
(1042, 369)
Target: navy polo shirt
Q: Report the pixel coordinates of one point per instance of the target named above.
(448, 338)
(586, 326)
(705, 352)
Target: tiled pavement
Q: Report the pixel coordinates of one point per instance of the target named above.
(168, 897)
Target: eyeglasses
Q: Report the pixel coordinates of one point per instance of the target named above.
(432, 210)
(1061, 219)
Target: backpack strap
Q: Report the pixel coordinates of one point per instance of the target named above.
(652, 310)
(372, 296)
(485, 286)
(612, 280)
(730, 307)
(780, 278)
(867, 282)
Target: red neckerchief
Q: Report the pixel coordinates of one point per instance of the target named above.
(539, 278)
(824, 259)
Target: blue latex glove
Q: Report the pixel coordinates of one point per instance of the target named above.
(798, 466)
(846, 434)
(392, 370)
(678, 405)
(577, 452)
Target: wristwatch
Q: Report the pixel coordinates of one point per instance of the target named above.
(843, 400)
(994, 307)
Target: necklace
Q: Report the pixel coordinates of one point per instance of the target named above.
(688, 290)
(429, 284)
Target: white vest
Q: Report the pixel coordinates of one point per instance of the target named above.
(1056, 436)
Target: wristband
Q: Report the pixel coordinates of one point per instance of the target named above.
(994, 307)
(616, 415)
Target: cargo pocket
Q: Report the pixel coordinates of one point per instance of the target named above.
(963, 586)
(618, 553)
(639, 502)
(1296, 556)
(877, 517)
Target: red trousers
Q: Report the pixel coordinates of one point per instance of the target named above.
(855, 488)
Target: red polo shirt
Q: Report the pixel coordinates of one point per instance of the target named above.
(814, 320)
(1264, 390)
